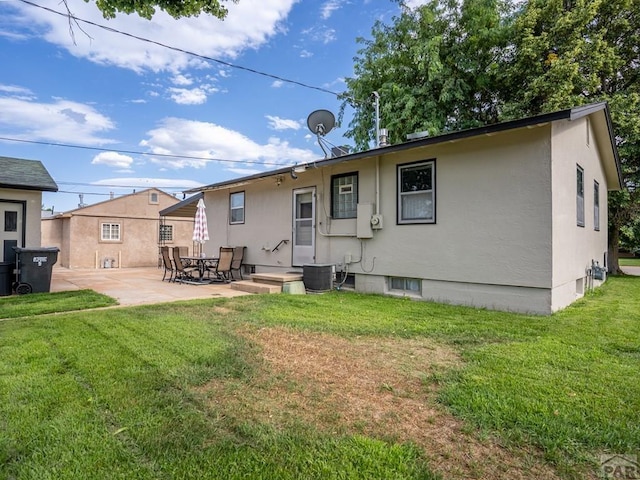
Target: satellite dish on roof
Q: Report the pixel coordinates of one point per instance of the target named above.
(321, 122)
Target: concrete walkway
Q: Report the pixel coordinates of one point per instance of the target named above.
(135, 286)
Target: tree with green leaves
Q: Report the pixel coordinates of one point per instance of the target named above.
(175, 8)
(455, 64)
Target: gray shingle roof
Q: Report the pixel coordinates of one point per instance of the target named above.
(25, 175)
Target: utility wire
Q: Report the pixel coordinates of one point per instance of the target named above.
(133, 152)
(187, 52)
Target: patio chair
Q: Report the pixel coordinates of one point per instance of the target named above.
(236, 262)
(222, 269)
(182, 272)
(167, 264)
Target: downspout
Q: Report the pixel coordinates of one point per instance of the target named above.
(378, 185)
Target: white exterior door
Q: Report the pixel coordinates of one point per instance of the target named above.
(11, 229)
(304, 226)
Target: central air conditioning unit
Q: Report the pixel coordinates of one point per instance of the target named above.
(318, 277)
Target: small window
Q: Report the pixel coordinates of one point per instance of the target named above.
(596, 206)
(110, 231)
(166, 233)
(409, 285)
(10, 221)
(580, 196)
(236, 208)
(153, 197)
(416, 193)
(344, 195)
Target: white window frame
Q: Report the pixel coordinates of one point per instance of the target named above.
(407, 283)
(401, 220)
(340, 192)
(114, 231)
(236, 208)
(580, 196)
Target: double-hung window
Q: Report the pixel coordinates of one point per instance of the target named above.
(416, 193)
(580, 196)
(236, 208)
(344, 195)
(110, 232)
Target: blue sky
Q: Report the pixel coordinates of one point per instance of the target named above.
(101, 89)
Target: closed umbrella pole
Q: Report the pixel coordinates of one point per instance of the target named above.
(200, 229)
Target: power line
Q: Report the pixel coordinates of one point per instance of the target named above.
(133, 152)
(187, 52)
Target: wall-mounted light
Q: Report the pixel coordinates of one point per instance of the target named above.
(279, 180)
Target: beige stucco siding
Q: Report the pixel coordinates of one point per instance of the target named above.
(78, 233)
(575, 246)
(492, 214)
(33, 201)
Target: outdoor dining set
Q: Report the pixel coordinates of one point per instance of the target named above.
(182, 268)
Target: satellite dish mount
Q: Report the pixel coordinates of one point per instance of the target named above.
(320, 123)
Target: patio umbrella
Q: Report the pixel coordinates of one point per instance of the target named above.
(200, 230)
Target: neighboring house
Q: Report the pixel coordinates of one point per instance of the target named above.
(21, 185)
(120, 232)
(508, 216)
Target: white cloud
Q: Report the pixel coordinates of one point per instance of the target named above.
(413, 4)
(213, 142)
(16, 91)
(182, 80)
(321, 35)
(277, 83)
(277, 123)
(245, 27)
(328, 8)
(183, 96)
(60, 121)
(306, 54)
(113, 159)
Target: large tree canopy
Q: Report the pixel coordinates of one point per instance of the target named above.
(175, 8)
(454, 64)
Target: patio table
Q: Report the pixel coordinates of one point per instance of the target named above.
(203, 264)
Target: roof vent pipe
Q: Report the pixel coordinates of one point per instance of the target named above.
(383, 140)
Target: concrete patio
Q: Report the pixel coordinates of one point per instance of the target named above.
(135, 286)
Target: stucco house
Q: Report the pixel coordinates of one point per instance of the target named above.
(511, 216)
(117, 233)
(21, 185)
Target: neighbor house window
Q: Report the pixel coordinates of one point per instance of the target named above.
(580, 196)
(344, 195)
(401, 284)
(596, 206)
(153, 197)
(110, 231)
(236, 206)
(166, 233)
(416, 192)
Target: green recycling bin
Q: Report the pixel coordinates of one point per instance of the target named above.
(34, 266)
(6, 278)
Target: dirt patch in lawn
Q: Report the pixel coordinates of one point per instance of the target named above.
(379, 387)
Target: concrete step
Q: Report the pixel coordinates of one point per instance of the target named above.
(276, 278)
(250, 286)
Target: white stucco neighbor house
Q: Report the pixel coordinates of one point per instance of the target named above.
(511, 216)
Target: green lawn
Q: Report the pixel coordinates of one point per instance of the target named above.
(168, 391)
(14, 306)
(629, 262)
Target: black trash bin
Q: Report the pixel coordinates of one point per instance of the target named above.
(6, 278)
(34, 269)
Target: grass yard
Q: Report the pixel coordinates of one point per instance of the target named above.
(14, 306)
(340, 385)
(629, 262)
